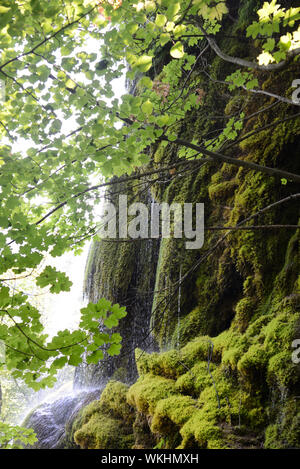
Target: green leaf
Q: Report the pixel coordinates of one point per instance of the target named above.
(146, 81)
(164, 38)
(56, 126)
(4, 9)
(114, 349)
(95, 357)
(75, 360)
(60, 362)
(147, 107)
(144, 158)
(265, 58)
(252, 84)
(177, 51)
(111, 322)
(173, 9)
(269, 45)
(160, 20)
(163, 120)
(143, 63)
(58, 280)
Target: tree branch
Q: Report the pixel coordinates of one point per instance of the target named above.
(228, 159)
(119, 181)
(247, 63)
(261, 129)
(254, 91)
(36, 343)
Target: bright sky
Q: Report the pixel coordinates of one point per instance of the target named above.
(62, 311)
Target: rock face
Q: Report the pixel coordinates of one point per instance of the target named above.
(124, 273)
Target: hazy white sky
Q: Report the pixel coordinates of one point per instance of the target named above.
(63, 309)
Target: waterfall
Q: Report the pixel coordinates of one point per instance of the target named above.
(55, 415)
(123, 273)
(55, 409)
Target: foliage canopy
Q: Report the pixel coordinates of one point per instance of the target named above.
(61, 107)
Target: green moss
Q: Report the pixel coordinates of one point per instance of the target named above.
(279, 332)
(222, 191)
(195, 380)
(281, 370)
(144, 439)
(244, 311)
(165, 364)
(173, 363)
(252, 365)
(285, 432)
(113, 401)
(201, 431)
(197, 349)
(174, 258)
(250, 359)
(209, 410)
(145, 394)
(107, 423)
(189, 326)
(170, 415)
(102, 432)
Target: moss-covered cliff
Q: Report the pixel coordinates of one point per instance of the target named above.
(124, 273)
(224, 316)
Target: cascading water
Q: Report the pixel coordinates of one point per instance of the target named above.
(57, 409)
(54, 416)
(123, 273)
(56, 413)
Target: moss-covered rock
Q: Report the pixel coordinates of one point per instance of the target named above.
(149, 389)
(107, 423)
